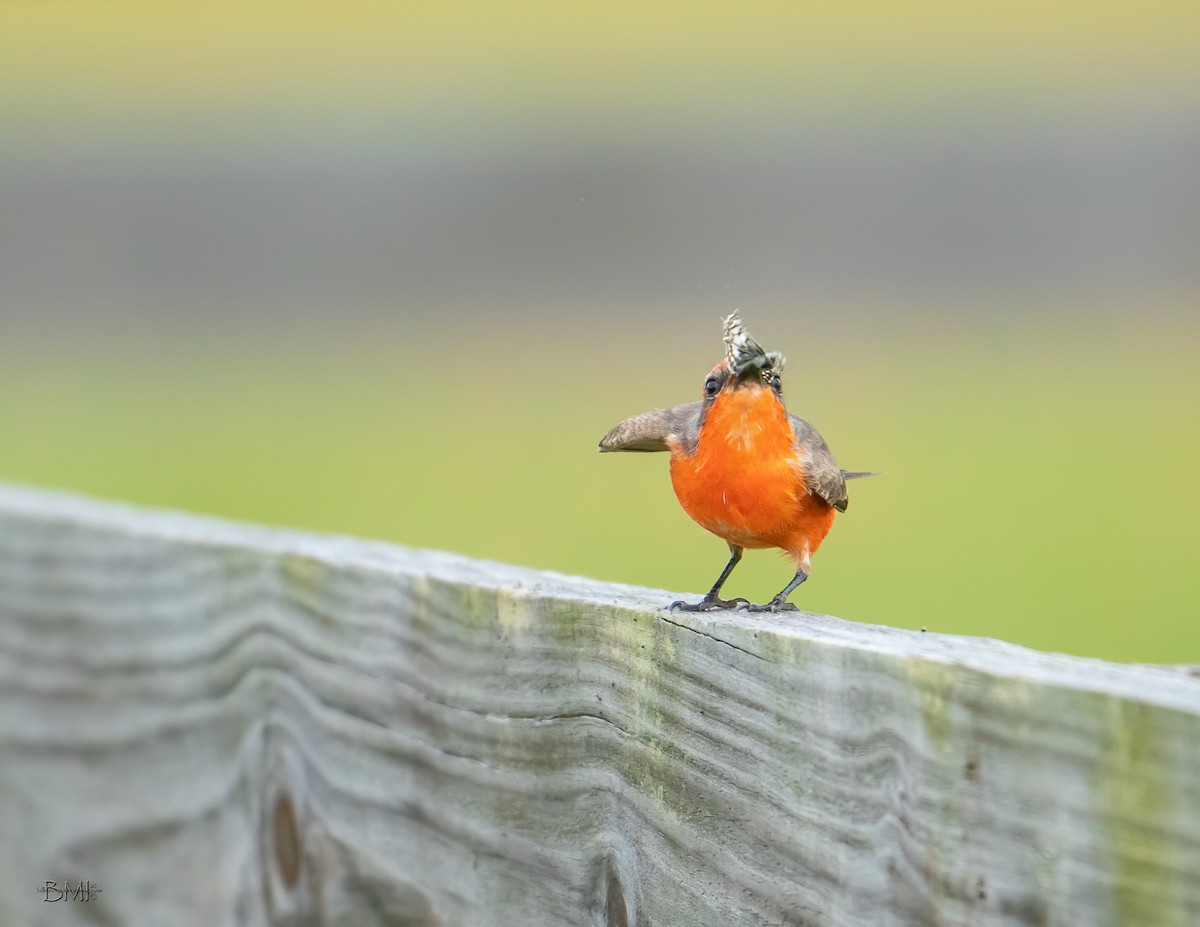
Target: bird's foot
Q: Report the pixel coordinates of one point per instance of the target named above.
(777, 604)
(710, 603)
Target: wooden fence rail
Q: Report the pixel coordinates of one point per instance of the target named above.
(205, 723)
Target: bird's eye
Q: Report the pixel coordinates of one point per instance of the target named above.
(712, 386)
(774, 382)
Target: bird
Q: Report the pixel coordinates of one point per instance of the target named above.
(743, 467)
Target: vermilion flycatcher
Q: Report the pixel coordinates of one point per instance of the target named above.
(742, 467)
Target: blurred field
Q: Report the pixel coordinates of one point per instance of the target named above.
(1040, 479)
(392, 270)
(652, 64)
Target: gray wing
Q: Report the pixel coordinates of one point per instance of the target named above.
(823, 474)
(650, 430)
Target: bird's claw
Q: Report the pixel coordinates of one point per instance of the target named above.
(710, 604)
(775, 605)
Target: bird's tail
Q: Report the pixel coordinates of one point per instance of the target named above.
(859, 474)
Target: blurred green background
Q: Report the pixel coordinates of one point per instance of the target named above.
(391, 270)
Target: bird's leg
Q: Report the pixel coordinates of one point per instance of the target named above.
(711, 601)
(780, 602)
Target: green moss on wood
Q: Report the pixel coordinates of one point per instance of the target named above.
(1136, 794)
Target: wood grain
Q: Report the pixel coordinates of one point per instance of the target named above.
(224, 724)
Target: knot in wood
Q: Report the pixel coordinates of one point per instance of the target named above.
(286, 840)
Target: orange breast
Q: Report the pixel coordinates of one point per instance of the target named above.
(745, 482)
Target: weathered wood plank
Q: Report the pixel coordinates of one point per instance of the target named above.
(223, 724)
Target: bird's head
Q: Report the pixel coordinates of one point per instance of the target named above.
(746, 366)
